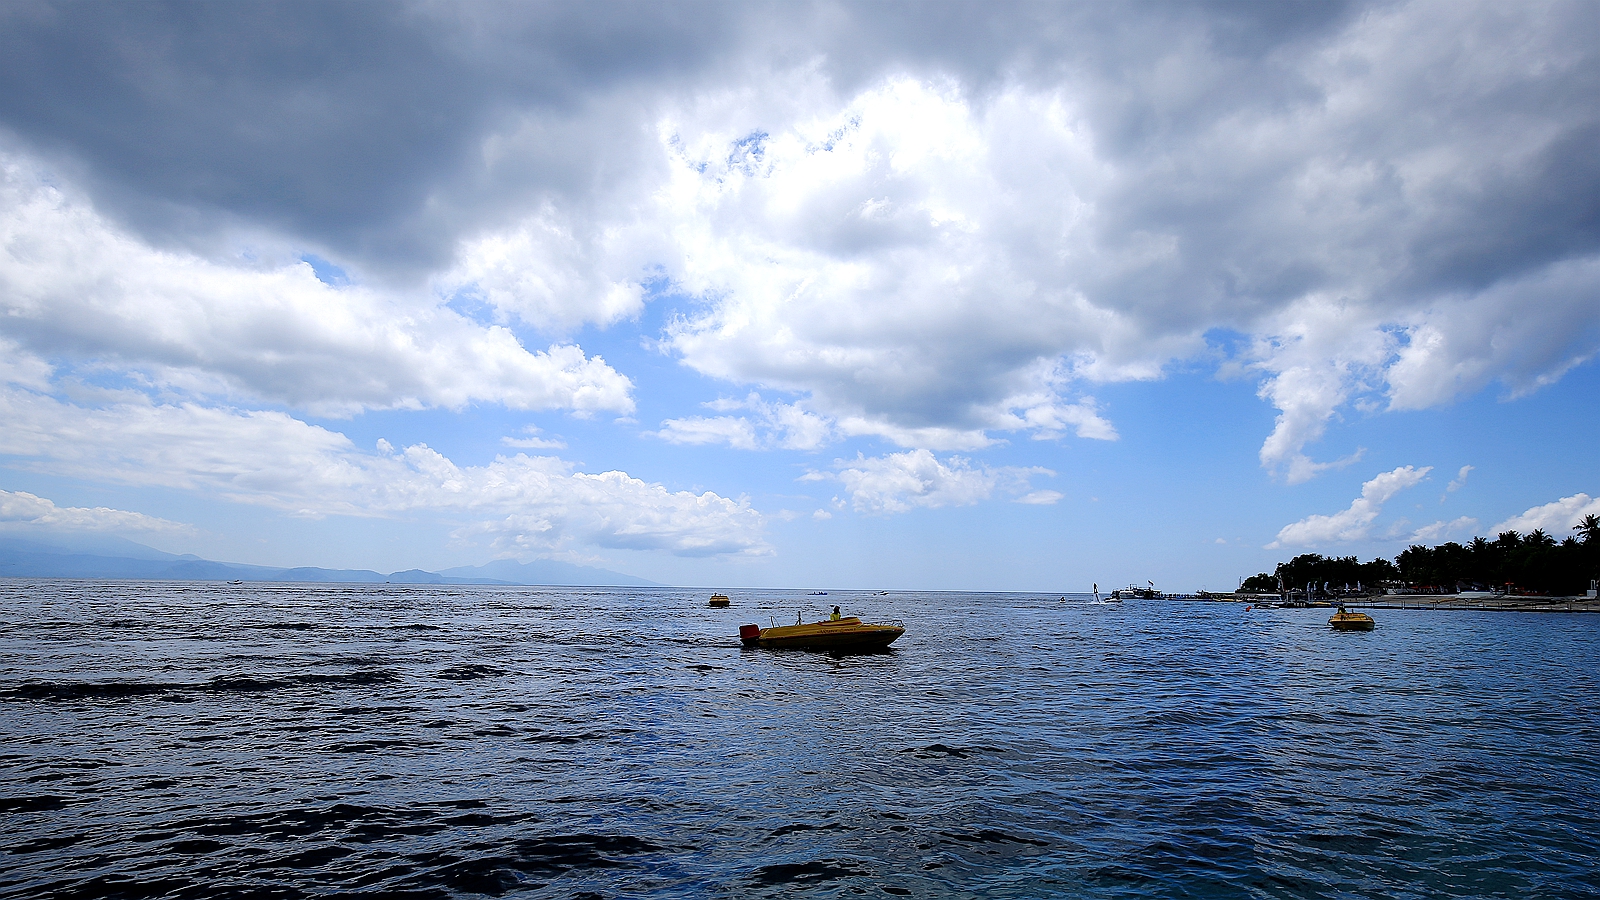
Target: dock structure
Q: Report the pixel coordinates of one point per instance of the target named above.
(1500, 602)
(1311, 597)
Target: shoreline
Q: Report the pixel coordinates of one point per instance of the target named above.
(1503, 603)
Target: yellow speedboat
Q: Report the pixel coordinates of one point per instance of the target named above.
(1351, 621)
(719, 601)
(839, 635)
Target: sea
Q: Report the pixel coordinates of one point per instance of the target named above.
(188, 739)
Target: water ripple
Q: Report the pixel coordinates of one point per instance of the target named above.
(194, 740)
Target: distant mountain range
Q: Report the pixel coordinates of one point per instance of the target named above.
(73, 556)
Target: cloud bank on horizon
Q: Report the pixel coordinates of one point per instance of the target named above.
(891, 229)
(20, 508)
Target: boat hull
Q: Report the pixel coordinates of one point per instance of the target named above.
(1347, 621)
(842, 636)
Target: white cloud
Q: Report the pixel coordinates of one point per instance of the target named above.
(875, 254)
(932, 437)
(73, 286)
(1050, 418)
(735, 432)
(888, 254)
(22, 508)
(1041, 498)
(547, 275)
(21, 368)
(936, 235)
(1317, 356)
(556, 507)
(885, 254)
(1525, 332)
(1556, 518)
(899, 482)
(1320, 355)
(822, 515)
(1355, 523)
(793, 428)
(770, 425)
(532, 441)
(1439, 531)
(518, 504)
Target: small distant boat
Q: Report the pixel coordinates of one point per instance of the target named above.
(241, 581)
(819, 593)
(1135, 592)
(845, 635)
(1351, 621)
(719, 601)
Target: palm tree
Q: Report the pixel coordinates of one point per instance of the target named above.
(1589, 528)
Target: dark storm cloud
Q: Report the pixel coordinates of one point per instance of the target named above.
(1103, 184)
(332, 121)
(345, 123)
(1507, 109)
(985, 44)
(1519, 219)
(316, 118)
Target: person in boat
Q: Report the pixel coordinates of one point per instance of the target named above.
(835, 616)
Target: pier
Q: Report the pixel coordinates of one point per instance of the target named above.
(1503, 602)
(1500, 602)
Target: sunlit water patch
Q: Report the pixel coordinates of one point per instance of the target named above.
(202, 740)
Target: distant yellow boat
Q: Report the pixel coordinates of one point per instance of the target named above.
(1351, 621)
(719, 601)
(839, 635)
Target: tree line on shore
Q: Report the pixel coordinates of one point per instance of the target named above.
(1532, 563)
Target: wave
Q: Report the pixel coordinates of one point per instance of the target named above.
(469, 671)
(44, 803)
(805, 873)
(221, 684)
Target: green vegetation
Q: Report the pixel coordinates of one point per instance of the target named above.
(1534, 563)
(1314, 568)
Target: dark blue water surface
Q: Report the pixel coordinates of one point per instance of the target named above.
(203, 740)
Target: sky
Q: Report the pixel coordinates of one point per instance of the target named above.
(966, 296)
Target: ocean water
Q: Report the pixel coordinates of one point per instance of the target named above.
(284, 741)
